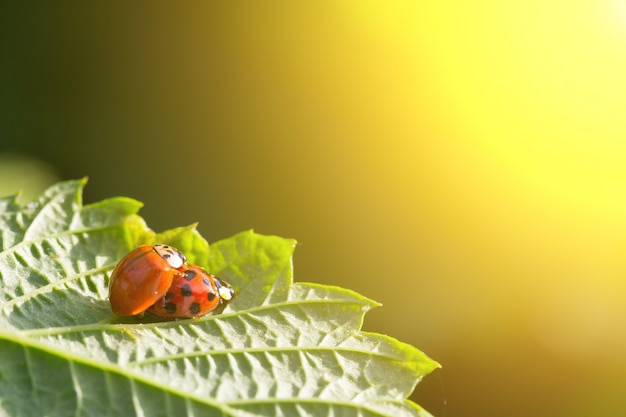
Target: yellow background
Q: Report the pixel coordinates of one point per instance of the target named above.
(462, 162)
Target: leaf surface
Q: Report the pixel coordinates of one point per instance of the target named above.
(279, 348)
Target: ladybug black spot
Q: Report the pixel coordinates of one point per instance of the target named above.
(211, 296)
(170, 308)
(206, 282)
(194, 308)
(185, 290)
(168, 296)
(190, 274)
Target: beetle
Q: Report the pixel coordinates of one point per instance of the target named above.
(143, 276)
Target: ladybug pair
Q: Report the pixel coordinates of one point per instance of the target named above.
(158, 279)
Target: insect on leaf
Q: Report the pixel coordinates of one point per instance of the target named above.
(278, 349)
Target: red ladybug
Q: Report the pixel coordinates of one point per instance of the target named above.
(143, 276)
(192, 294)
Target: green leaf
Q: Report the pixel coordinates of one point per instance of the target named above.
(279, 348)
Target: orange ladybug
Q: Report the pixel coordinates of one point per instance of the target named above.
(143, 276)
(192, 294)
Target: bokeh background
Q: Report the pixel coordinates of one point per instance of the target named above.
(462, 162)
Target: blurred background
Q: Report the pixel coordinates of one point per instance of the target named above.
(462, 162)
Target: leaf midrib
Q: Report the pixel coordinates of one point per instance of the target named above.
(52, 331)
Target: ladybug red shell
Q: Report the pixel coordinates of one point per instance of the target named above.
(142, 277)
(192, 294)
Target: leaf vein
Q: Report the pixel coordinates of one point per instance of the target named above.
(77, 389)
(55, 284)
(309, 400)
(265, 350)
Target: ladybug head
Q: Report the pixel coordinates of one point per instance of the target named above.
(224, 290)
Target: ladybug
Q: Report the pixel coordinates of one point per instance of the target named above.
(143, 276)
(193, 294)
